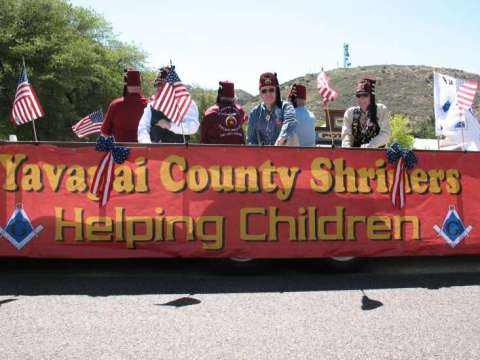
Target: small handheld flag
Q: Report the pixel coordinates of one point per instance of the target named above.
(172, 97)
(26, 106)
(328, 94)
(89, 125)
(324, 88)
(465, 96)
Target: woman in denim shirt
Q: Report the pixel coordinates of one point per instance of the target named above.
(273, 121)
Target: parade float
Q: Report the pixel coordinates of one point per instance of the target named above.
(130, 200)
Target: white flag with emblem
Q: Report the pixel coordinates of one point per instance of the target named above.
(450, 113)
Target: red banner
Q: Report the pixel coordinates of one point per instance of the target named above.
(196, 201)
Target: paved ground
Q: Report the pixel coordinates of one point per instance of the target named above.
(391, 309)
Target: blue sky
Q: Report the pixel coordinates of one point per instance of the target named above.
(214, 40)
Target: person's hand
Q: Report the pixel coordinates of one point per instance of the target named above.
(281, 141)
(164, 124)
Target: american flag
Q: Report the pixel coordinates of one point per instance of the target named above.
(466, 96)
(26, 106)
(172, 98)
(89, 125)
(323, 85)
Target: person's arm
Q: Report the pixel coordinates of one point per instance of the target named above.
(289, 124)
(243, 116)
(252, 138)
(347, 136)
(190, 123)
(144, 126)
(385, 131)
(107, 126)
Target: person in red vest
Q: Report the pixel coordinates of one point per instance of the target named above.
(124, 113)
(223, 122)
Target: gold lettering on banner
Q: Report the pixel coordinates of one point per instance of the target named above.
(177, 174)
(137, 230)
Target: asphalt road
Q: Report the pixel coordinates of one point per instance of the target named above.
(422, 308)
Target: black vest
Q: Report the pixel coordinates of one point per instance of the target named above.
(161, 135)
(363, 136)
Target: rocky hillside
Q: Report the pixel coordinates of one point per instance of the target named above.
(244, 97)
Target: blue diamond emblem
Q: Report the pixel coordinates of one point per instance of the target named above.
(19, 230)
(453, 230)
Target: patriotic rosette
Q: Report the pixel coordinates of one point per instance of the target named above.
(103, 179)
(403, 160)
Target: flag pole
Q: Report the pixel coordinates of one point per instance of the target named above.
(34, 131)
(463, 140)
(33, 121)
(183, 135)
(327, 110)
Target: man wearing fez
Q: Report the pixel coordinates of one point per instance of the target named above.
(273, 121)
(368, 124)
(305, 119)
(223, 122)
(155, 127)
(124, 113)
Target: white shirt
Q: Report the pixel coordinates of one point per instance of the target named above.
(188, 126)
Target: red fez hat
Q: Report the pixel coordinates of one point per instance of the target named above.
(226, 89)
(132, 78)
(366, 86)
(298, 91)
(268, 79)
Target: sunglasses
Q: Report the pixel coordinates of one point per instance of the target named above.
(268, 91)
(363, 96)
